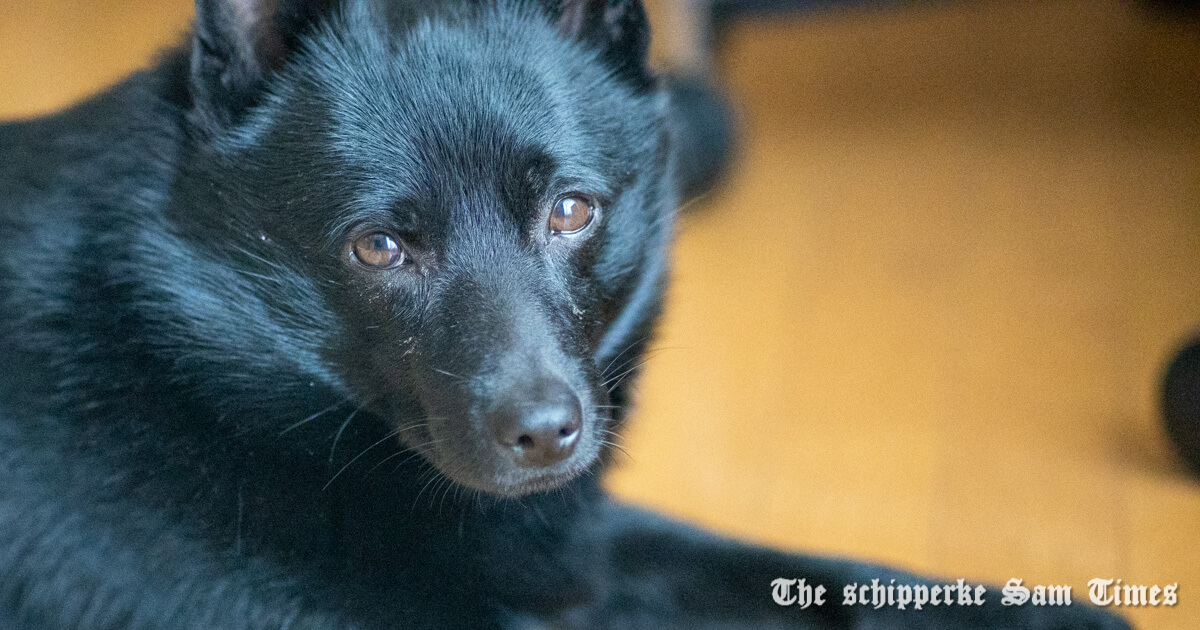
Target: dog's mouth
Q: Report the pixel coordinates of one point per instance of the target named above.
(482, 464)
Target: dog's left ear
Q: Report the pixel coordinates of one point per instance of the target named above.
(618, 27)
(237, 44)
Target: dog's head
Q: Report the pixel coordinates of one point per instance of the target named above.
(454, 218)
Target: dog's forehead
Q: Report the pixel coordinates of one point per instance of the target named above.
(453, 97)
(446, 114)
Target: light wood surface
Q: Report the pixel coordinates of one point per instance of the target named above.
(925, 321)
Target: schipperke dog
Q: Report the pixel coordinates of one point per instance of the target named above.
(327, 320)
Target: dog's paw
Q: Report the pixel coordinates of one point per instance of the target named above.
(1075, 617)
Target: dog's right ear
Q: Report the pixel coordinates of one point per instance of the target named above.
(237, 45)
(618, 27)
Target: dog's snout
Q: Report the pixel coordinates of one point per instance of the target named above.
(539, 430)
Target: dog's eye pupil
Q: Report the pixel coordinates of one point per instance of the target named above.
(379, 250)
(570, 214)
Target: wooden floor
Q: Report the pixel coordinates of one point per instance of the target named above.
(925, 321)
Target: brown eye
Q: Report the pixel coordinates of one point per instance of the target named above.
(378, 250)
(571, 214)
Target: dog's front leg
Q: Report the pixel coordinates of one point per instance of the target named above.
(667, 575)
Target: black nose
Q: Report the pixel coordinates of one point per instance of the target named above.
(540, 428)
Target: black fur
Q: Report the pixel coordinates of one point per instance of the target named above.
(212, 417)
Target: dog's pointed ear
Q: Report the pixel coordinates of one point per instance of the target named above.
(619, 27)
(237, 44)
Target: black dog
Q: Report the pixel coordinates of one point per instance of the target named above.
(313, 325)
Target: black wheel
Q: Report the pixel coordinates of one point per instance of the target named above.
(704, 128)
(1181, 404)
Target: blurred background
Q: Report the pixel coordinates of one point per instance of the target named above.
(926, 318)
